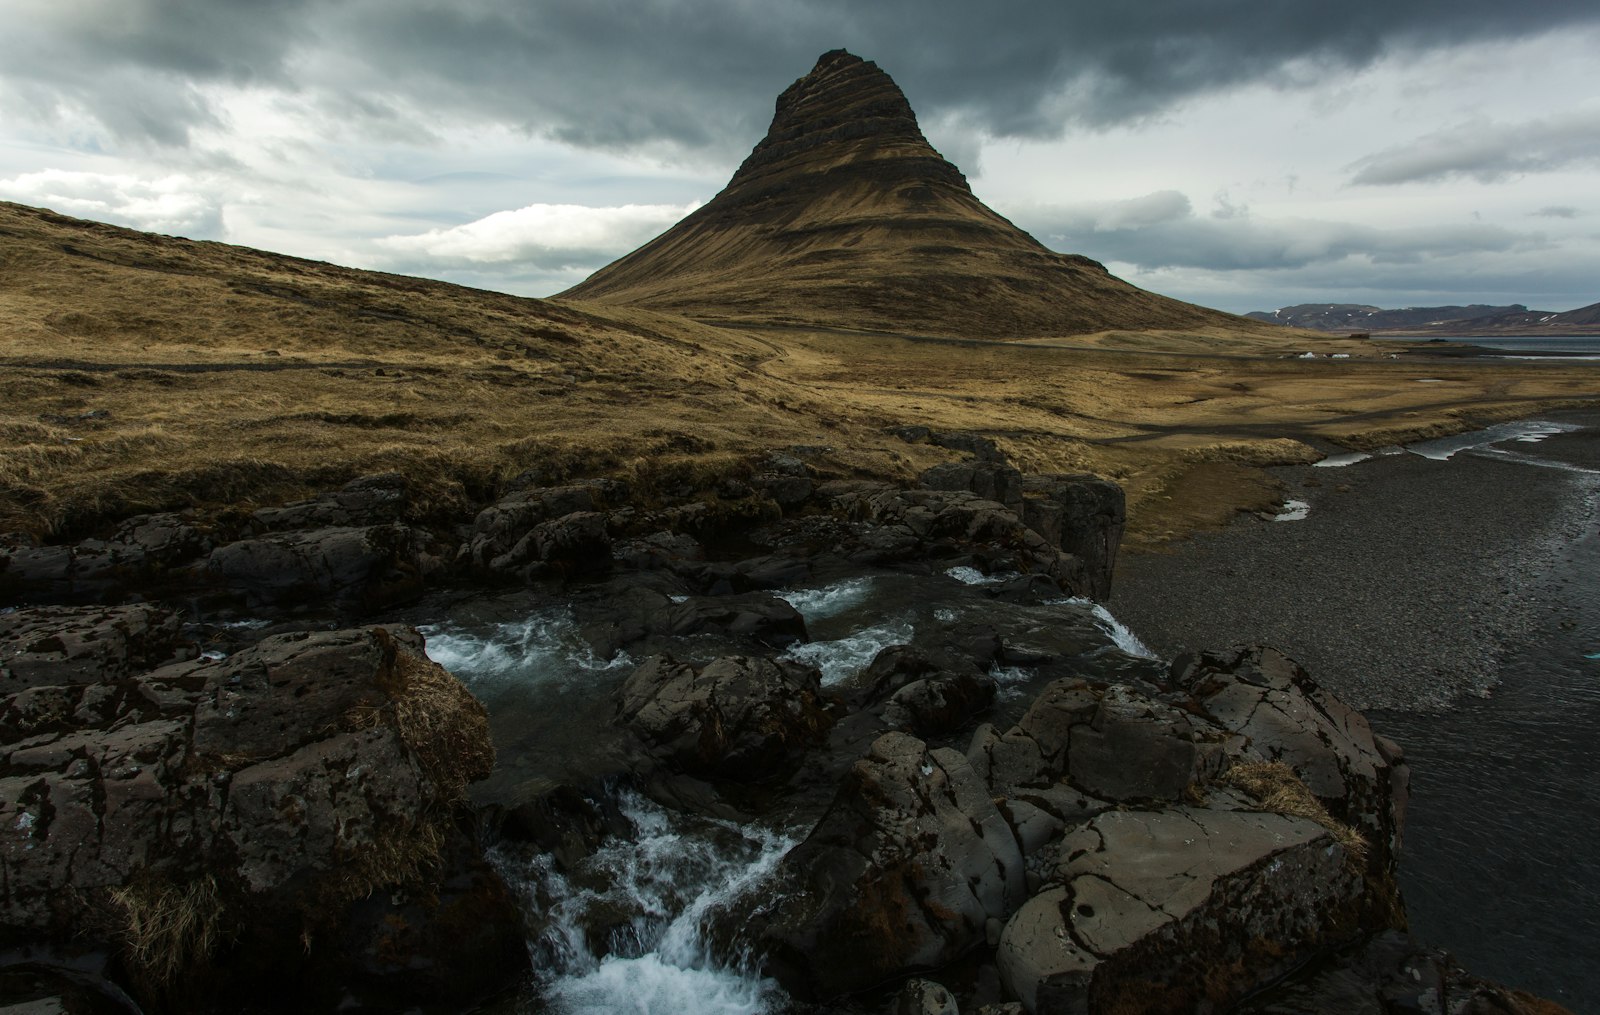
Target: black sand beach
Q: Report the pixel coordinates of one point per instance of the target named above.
(1403, 588)
(1458, 601)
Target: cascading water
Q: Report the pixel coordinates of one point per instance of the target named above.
(624, 930)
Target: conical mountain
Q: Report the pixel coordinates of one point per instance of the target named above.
(844, 216)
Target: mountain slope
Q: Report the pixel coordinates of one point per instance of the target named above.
(1477, 319)
(844, 216)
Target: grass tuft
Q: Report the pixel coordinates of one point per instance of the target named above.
(170, 927)
(1278, 789)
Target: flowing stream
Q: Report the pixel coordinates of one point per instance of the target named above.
(623, 931)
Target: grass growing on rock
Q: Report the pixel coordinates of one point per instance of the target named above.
(170, 926)
(1275, 786)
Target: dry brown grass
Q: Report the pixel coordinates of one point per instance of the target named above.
(396, 857)
(169, 927)
(1275, 786)
(443, 724)
(138, 373)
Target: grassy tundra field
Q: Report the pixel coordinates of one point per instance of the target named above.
(142, 372)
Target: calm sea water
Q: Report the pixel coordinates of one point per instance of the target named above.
(1572, 345)
(1501, 864)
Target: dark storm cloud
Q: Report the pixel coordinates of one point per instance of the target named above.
(139, 66)
(702, 74)
(1488, 151)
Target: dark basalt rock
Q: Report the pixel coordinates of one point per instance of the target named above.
(60, 646)
(1084, 516)
(369, 500)
(737, 719)
(904, 872)
(1360, 777)
(994, 481)
(562, 527)
(140, 552)
(363, 568)
(1178, 910)
(262, 798)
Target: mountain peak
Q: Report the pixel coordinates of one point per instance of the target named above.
(844, 216)
(846, 109)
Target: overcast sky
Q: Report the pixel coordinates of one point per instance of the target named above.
(1242, 154)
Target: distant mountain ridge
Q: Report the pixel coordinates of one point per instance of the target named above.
(843, 216)
(1474, 319)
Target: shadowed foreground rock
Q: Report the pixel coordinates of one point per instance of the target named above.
(300, 805)
(1120, 849)
(1167, 910)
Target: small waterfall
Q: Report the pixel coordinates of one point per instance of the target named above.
(623, 931)
(1115, 629)
(829, 600)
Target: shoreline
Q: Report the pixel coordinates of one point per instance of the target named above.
(1403, 588)
(1493, 703)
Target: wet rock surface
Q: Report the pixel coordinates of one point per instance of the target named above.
(737, 718)
(904, 872)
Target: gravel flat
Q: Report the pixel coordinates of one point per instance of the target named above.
(1402, 588)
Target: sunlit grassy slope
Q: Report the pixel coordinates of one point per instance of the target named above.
(140, 372)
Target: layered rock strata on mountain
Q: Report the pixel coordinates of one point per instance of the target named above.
(844, 216)
(300, 805)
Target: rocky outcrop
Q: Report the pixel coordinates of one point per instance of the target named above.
(903, 525)
(58, 647)
(1148, 838)
(990, 480)
(361, 568)
(737, 718)
(1360, 777)
(536, 532)
(912, 866)
(1083, 515)
(140, 552)
(1177, 910)
(221, 821)
(369, 500)
(1159, 856)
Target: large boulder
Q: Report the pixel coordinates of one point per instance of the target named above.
(1179, 910)
(300, 805)
(994, 481)
(1084, 516)
(1109, 742)
(535, 532)
(629, 615)
(367, 500)
(1361, 778)
(737, 718)
(912, 866)
(898, 525)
